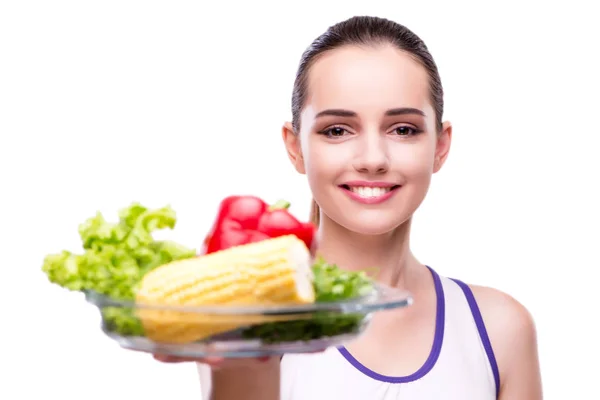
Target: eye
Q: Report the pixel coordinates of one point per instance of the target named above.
(334, 132)
(405, 131)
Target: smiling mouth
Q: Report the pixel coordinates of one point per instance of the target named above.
(368, 191)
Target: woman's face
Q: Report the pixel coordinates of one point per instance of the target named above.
(367, 139)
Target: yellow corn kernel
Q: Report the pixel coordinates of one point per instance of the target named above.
(275, 271)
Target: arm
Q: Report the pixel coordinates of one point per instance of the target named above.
(248, 380)
(512, 333)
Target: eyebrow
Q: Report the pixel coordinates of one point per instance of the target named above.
(336, 112)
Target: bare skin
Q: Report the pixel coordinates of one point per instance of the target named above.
(514, 339)
(405, 149)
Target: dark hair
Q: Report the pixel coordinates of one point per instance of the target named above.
(364, 31)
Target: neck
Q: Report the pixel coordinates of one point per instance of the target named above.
(386, 257)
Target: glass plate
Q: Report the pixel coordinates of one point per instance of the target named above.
(242, 331)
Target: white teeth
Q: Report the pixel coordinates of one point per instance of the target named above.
(370, 191)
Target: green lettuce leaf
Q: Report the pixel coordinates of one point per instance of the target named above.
(115, 256)
(332, 283)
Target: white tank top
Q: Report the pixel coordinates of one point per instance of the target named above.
(461, 364)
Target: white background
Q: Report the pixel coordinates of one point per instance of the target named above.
(107, 102)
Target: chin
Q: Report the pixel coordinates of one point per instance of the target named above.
(371, 223)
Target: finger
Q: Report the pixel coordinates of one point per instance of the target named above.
(212, 361)
(166, 358)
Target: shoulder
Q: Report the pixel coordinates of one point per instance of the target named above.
(502, 312)
(512, 333)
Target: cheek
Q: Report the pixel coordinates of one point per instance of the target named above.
(414, 163)
(324, 161)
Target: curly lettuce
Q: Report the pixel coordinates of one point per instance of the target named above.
(115, 256)
(331, 283)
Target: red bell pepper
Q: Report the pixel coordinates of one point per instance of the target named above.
(246, 219)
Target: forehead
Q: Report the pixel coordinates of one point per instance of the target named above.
(368, 79)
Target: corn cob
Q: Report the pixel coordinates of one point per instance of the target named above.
(270, 272)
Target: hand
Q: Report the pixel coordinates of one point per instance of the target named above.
(220, 362)
(215, 362)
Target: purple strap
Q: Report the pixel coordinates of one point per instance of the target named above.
(482, 332)
(438, 339)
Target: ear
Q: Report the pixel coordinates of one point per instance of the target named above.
(442, 147)
(292, 145)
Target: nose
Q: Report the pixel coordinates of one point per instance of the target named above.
(372, 154)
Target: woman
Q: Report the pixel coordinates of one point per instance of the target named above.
(368, 133)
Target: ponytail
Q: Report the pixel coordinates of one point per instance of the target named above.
(314, 213)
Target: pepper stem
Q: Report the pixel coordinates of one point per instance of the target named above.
(280, 205)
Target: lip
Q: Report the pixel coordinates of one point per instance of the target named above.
(370, 200)
(369, 184)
